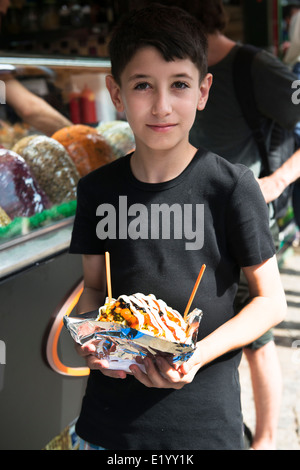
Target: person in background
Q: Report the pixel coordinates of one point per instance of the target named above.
(291, 57)
(288, 13)
(29, 107)
(291, 48)
(222, 128)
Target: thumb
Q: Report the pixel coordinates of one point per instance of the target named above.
(194, 361)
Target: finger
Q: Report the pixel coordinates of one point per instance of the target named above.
(86, 349)
(140, 376)
(114, 374)
(151, 378)
(168, 371)
(194, 361)
(155, 377)
(101, 364)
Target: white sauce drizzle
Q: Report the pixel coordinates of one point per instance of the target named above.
(153, 306)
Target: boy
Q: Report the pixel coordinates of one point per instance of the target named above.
(159, 79)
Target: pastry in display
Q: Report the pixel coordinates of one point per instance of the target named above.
(119, 135)
(86, 147)
(20, 194)
(22, 143)
(12, 133)
(52, 167)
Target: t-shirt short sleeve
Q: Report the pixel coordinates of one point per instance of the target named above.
(248, 230)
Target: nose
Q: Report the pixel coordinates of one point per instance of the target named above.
(162, 105)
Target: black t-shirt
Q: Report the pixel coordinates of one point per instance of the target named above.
(158, 236)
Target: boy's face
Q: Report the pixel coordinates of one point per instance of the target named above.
(160, 98)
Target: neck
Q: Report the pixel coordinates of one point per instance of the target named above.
(218, 47)
(159, 167)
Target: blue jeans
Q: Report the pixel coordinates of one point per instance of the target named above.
(83, 445)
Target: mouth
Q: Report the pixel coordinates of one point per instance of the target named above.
(161, 127)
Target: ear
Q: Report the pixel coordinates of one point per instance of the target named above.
(204, 91)
(115, 92)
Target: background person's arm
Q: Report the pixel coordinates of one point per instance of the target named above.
(34, 110)
(273, 186)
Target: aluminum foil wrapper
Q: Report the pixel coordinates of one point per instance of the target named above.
(121, 345)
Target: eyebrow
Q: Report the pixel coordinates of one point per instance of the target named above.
(140, 76)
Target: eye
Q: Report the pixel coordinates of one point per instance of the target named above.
(142, 86)
(180, 85)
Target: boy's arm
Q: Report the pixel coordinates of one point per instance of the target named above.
(94, 279)
(266, 309)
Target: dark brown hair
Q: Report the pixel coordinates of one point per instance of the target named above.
(172, 31)
(210, 13)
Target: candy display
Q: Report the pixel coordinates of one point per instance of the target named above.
(119, 135)
(39, 174)
(20, 194)
(52, 167)
(87, 148)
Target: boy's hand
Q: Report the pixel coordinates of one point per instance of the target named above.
(164, 375)
(88, 351)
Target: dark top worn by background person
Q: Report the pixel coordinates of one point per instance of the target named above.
(221, 126)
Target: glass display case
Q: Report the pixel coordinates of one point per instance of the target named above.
(42, 379)
(31, 232)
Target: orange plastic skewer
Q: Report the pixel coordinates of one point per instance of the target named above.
(194, 290)
(108, 278)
